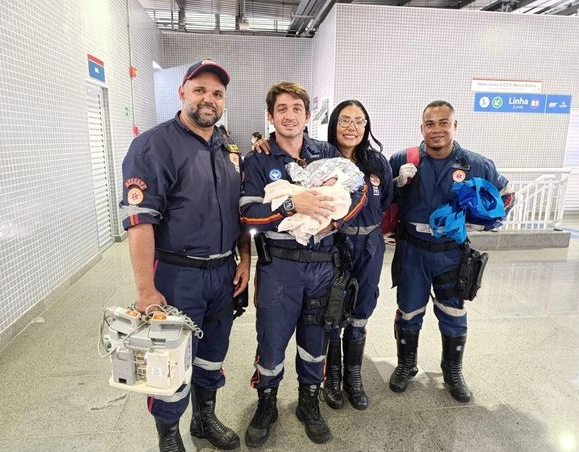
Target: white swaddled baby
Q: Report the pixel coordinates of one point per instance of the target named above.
(334, 177)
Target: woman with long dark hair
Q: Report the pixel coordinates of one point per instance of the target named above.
(350, 131)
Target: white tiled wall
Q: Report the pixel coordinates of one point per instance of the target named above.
(324, 71)
(254, 63)
(47, 211)
(395, 60)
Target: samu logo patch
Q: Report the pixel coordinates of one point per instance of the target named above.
(274, 174)
(459, 176)
(135, 193)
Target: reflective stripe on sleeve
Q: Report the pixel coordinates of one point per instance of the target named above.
(249, 199)
(129, 211)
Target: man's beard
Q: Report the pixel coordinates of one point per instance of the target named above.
(202, 121)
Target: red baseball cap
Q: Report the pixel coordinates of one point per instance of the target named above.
(207, 66)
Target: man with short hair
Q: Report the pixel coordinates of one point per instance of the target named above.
(293, 280)
(180, 205)
(422, 261)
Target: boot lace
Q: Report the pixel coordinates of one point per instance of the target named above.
(311, 406)
(265, 408)
(455, 373)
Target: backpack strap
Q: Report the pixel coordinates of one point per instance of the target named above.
(413, 155)
(389, 223)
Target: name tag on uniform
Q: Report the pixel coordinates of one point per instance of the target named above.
(423, 227)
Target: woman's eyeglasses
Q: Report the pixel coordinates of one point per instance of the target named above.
(345, 121)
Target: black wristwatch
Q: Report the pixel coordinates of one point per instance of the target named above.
(288, 206)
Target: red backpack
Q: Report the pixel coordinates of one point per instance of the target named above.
(390, 217)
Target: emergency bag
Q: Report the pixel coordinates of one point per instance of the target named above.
(470, 272)
(389, 222)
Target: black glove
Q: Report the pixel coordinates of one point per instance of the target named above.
(240, 302)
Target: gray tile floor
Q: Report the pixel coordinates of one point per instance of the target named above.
(521, 362)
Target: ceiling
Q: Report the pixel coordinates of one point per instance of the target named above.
(301, 18)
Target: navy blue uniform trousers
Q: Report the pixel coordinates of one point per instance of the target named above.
(368, 253)
(282, 288)
(419, 270)
(199, 293)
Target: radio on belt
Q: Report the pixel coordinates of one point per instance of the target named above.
(150, 355)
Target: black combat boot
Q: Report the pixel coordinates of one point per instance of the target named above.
(308, 411)
(407, 346)
(452, 352)
(206, 425)
(169, 437)
(353, 387)
(265, 415)
(332, 386)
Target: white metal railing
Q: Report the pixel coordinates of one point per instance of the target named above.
(539, 198)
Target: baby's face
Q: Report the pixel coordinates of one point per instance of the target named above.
(330, 182)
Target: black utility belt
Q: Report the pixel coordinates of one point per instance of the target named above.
(303, 255)
(185, 261)
(429, 246)
(359, 230)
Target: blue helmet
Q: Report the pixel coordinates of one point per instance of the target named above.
(477, 201)
(450, 221)
(481, 202)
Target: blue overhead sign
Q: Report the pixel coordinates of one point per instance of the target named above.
(558, 104)
(522, 103)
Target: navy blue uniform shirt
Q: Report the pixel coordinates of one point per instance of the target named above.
(261, 169)
(380, 191)
(188, 188)
(433, 182)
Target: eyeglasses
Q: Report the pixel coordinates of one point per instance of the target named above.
(345, 121)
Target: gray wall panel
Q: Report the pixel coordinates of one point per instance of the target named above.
(396, 60)
(254, 63)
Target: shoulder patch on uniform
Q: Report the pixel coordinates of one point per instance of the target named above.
(375, 180)
(234, 158)
(275, 174)
(135, 196)
(459, 176)
(135, 181)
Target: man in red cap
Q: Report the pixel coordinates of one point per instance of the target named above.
(180, 205)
